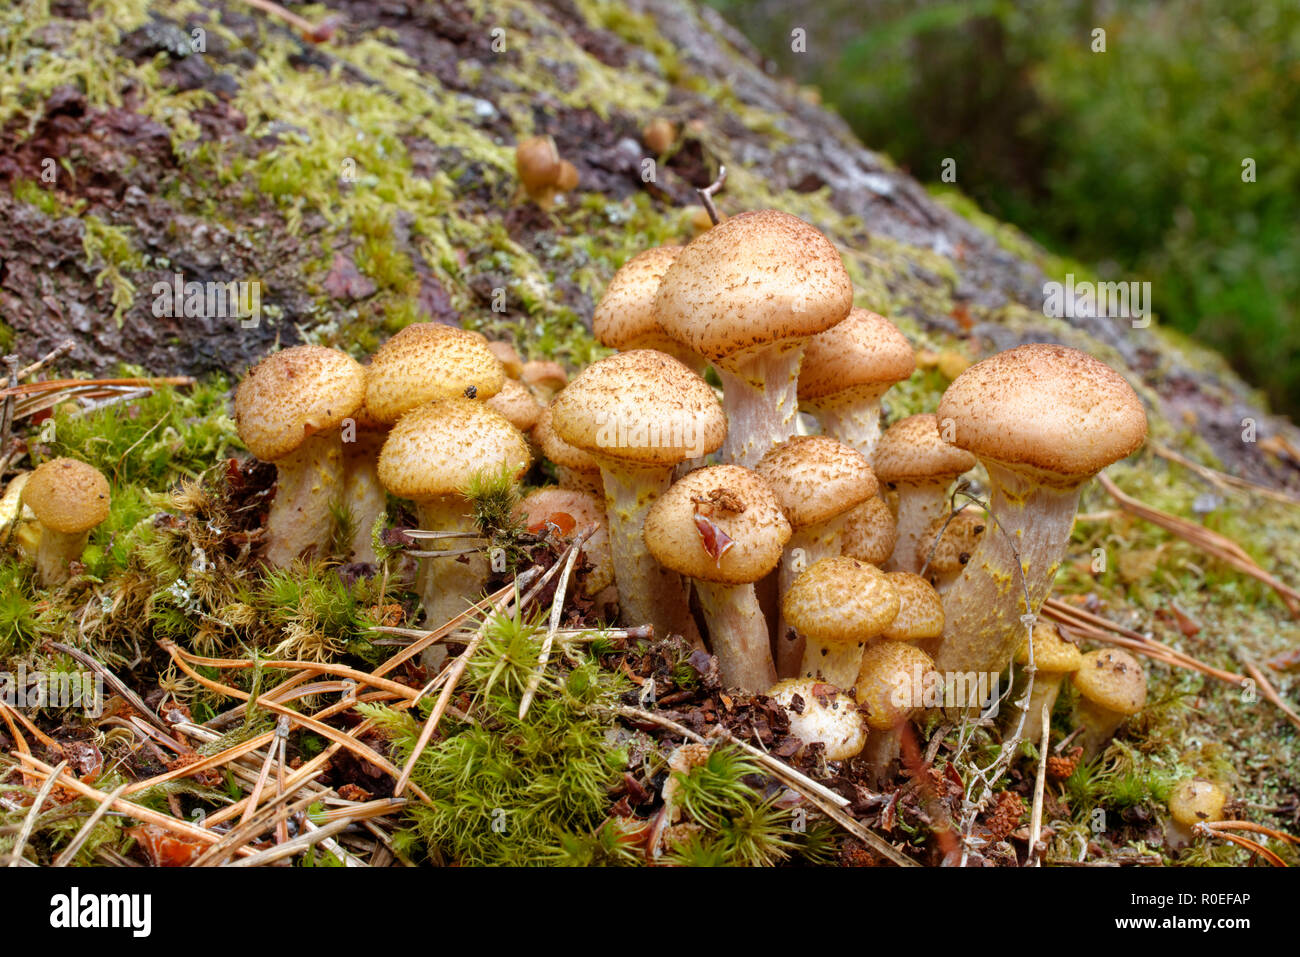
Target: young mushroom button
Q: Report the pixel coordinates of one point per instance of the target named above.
(822, 714)
(1054, 659)
(892, 684)
(69, 498)
(746, 295)
(1112, 687)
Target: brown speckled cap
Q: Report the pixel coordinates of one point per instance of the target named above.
(426, 361)
(437, 449)
(1048, 407)
(911, 450)
(817, 478)
(920, 611)
(839, 601)
(864, 352)
(870, 532)
(517, 404)
(740, 504)
(294, 394)
(886, 686)
(640, 407)
(67, 495)
(1052, 653)
(758, 278)
(959, 539)
(1194, 800)
(559, 451)
(544, 375)
(1112, 679)
(625, 316)
(508, 356)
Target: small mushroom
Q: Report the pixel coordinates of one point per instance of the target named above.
(891, 686)
(822, 714)
(913, 460)
(746, 295)
(517, 404)
(508, 356)
(69, 498)
(722, 527)
(574, 468)
(659, 135)
(289, 409)
(838, 605)
(545, 505)
(1192, 801)
(624, 319)
(920, 610)
(539, 167)
(544, 378)
(870, 532)
(1112, 687)
(427, 361)
(847, 369)
(944, 551)
(1054, 659)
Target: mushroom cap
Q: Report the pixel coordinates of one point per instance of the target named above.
(427, 361)
(1112, 679)
(640, 407)
(816, 478)
(920, 610)
(870, 532)
(865, 351)
(437, 449)
(559, 451)
(517, 404)
(508, 356)
(1194, 800)
(959, 539)
(1052, 653)
(67, 495)
(887, 682)
(625, 316)
(739, 504)
(758, 278)
(911, 450)
(541, 504)
(537, 163)
(1047, 408)
(823, 715)
(840, 601)
(292, 395)
(544, 374)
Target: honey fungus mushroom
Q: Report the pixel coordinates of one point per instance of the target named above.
(891, 686)
(69, 498)
(1112, 687)
(1192, 801)
(722, 527)
(583, 509)
(870, 532)
(822, 714)
(1054, 660)
(289, 409)
(947, 546)
(624, 319)
(427, 361)
(746, 295)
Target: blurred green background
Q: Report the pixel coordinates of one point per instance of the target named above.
(1130, 160)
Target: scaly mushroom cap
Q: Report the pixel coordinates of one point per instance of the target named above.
(1053, 655)
(817, 478)
(957, 543)
(736, 502)
(840, 601)
(508, 356)
(920, 610)
(437, 449)
(822, 714)
(558, 451)
(625, 316)
(887, 682)
(546, 504)
(67, 496)
(760, 277)
(427, 361)
(640, 407)
(294, 394)
(865, 351)
(517, 404)
(1047, 408)
(1195, 800)
(911, 450)
(870, 532)
(1112, 679)
(544, 375)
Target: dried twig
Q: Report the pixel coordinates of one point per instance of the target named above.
(295, 846)
(69, 853)
(557, 607)
(1222, 479)
(1036, 815)
(20, 843)
(706, 194)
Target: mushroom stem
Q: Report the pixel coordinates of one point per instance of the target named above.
(806, 547)
(983, 607)
(648, 592)
(919, 504)
(836, 665)
(56, 551)
(739, 635)
(447, 586)
(307, 481)
(363, 493)
(852, 417)
(882, 750)
(760, 397)
(1099, 726)
(1045, 690)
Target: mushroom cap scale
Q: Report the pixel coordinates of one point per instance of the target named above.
(866, 350)
(1112, 679)
(427, 361)
(870, 532)
(758, 278)
(642, 408)
(294, 394)
(816, 478)
(1048, 408)
(911, 450)
(739, 504)
(625, 316)
(68, 496)
(920, 610)
(840, 601)
(437, 449)
(1052, 653)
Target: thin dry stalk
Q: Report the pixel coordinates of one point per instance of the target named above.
(1222, 479)
(1040, 780)
(557, 608)
(237, 838)
(1212, 828)
(20, 843)
(1268, 691)
(297, 845)
(69, 853)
